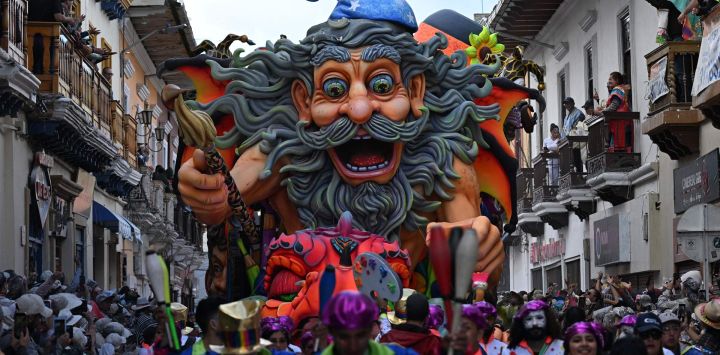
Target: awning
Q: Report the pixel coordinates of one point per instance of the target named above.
(135, 230)
(110, 220)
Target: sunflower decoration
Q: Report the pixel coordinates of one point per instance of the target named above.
(483, 47)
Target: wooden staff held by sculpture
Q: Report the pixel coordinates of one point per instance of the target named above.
(198, 130)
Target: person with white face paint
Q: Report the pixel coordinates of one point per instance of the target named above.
(535, 330)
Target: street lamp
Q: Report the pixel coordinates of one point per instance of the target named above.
(160, 132)
(145, 117)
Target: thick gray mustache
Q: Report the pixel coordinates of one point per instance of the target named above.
(378, 127)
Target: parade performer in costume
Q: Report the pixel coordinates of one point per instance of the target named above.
(584, 338)
(489, 340)
(350, 315)
(435, 320)
(413, 333)
(240, 329)
(277, 331)
(535, 330)
(472, 326)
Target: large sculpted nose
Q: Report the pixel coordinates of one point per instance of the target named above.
(359, 108)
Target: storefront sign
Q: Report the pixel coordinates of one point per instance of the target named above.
(45, 160)
(612, 240)
(697, 182)
(542, 252)
(658, 87)
(84, 201)
(41, 189)
(708, 69)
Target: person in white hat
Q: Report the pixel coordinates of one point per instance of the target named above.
(37, 314)
(671, 330)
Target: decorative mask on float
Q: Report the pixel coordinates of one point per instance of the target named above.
(297, 261)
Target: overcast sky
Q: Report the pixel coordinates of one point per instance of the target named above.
(265, 20)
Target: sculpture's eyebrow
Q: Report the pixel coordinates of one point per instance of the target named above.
(377, 51)
(336, 53)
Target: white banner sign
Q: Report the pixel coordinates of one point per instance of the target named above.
(708, 69)
(658, 86)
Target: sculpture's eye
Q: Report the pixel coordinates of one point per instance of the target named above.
(381, 84)
(335, 88)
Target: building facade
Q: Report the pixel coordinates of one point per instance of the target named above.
(86, 143)
(606, 200)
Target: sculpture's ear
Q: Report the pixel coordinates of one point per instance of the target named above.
(416, 91)
(301, 99)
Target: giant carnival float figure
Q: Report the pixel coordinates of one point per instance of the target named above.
(402, 132)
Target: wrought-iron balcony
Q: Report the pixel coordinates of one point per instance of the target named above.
(612, 156)
(546, 176)
(528, 221)
(671, 123)
(573, 191)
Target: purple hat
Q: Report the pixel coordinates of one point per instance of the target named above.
(306, 338)
(271, 325)
(486, 308)
(532, 306)
(628, 320)
(436, 317)
(586, 328)
(473, 313)
(350, 310)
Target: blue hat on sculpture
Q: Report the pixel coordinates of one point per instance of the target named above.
(395, 11)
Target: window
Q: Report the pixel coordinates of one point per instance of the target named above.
(554, 276)
(537, 279)
(107, 63)
(93, 37)
(58, 254)
(572, 272)
(75, 8)
(123, 272)
(589, 72)
(80, 247)
(626, 50)
(562, 84)
(35, 245)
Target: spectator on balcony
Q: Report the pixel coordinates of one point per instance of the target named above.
(51, 11)
(574, 115)
(617, 102)
(550, 145)
(618, 99)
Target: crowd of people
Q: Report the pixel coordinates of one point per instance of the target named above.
(47, 315)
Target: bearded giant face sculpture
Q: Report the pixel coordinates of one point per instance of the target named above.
(360, 117)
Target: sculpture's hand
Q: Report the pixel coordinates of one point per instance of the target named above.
(490, 248)
(205, 194)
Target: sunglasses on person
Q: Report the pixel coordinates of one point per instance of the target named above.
(655, 334)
